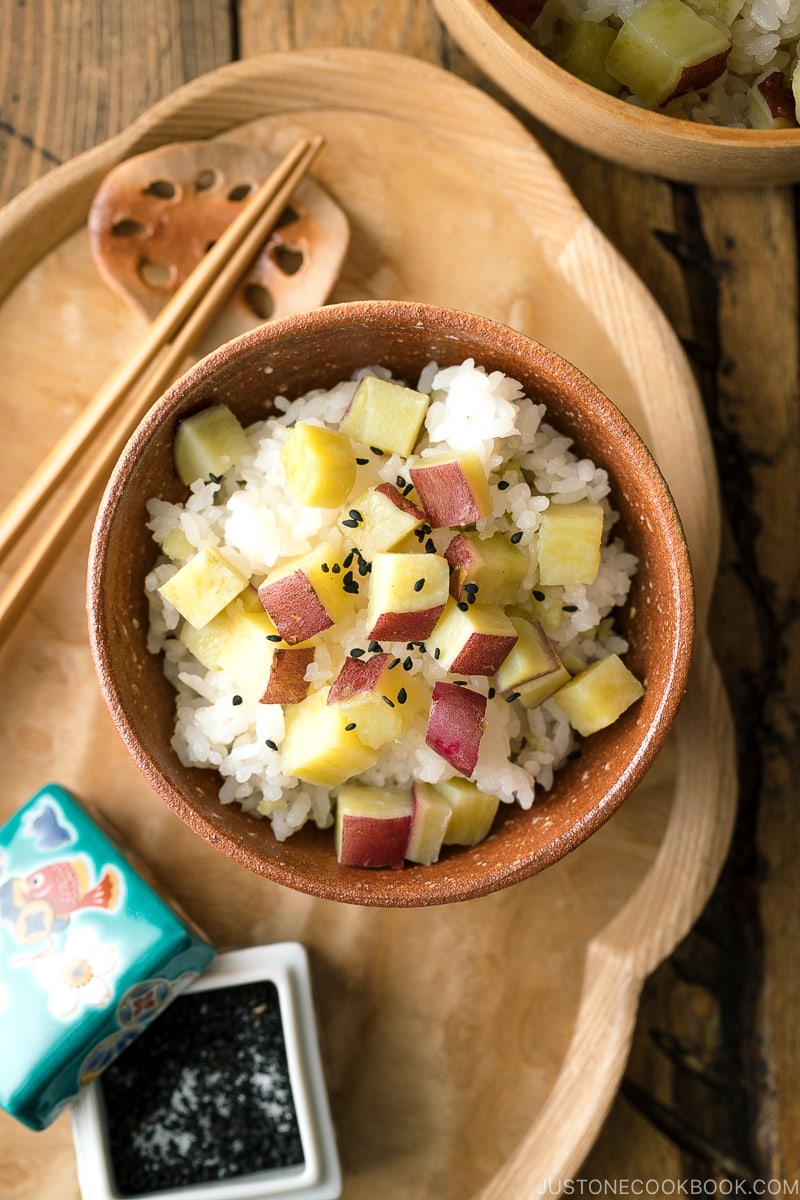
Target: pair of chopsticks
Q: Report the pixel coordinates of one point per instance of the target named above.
(110, 417)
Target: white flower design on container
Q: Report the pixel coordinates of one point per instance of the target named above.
(79, 976)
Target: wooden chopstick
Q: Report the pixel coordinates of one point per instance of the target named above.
(169, 339)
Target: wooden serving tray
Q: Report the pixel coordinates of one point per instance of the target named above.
(472, 1049)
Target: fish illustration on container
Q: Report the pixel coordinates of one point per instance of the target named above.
(41, 904)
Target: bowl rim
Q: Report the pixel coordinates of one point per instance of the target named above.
(648, 121)
(395, 888)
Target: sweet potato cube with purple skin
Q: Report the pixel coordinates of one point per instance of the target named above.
(357, 676)
(287, 683)
(452, 488)
(379, 519)
(490, 570)
(665, 49)
(472, 639)
(407, 595)
(429, 823)
(372, 826)
(533, 670)
(456, 725)
(770, 102)
(305, 596)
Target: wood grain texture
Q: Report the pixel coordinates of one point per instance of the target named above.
(719, 1018)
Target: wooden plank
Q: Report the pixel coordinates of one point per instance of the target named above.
(68, 86)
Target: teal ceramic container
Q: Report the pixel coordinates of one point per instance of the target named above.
(90, 954)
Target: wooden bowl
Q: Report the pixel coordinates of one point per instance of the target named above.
(318, 349)
(624, 133)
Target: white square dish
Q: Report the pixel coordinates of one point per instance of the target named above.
(118, 1145)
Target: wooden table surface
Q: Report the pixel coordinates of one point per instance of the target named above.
(711, 1092)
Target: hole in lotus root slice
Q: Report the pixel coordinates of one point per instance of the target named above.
(155, 275)
(161, 188)
(288, 259)
(288, 217)
(240, 192)
(205, 180)
(258, 300)
(129, 228)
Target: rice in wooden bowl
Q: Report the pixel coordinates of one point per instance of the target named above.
(556, 792)
(704, 136)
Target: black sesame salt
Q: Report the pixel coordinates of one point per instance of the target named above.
(204, 1094)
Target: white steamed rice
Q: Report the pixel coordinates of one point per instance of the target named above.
(764, 38)
(252, 516)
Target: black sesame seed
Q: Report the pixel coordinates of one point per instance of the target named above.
(430, 546)
(471, 598)
(362, 462)
(437, 653)
(462, 605)
(349, 583)
(460, 682)
(355, 514)
(350, 523)
(325, 568)
(336, 568)
(503, 485)
(408, 488)
(471, 588)
(348, 558)
(400, 481)
(357, 653)
(569, 608)
(214, 478)
(377, 450)
(419, 534)
(512, 696)
(419, 585)
(408, 663)
(490, 695)
(387, 700)
(269, 742)
(402, 696)
(537, 595)
(349, 727)
(236, 700)
(274, 637)
(516, 537)
(364, 566)
(426, 529)
(375, 647)
(394, 663)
